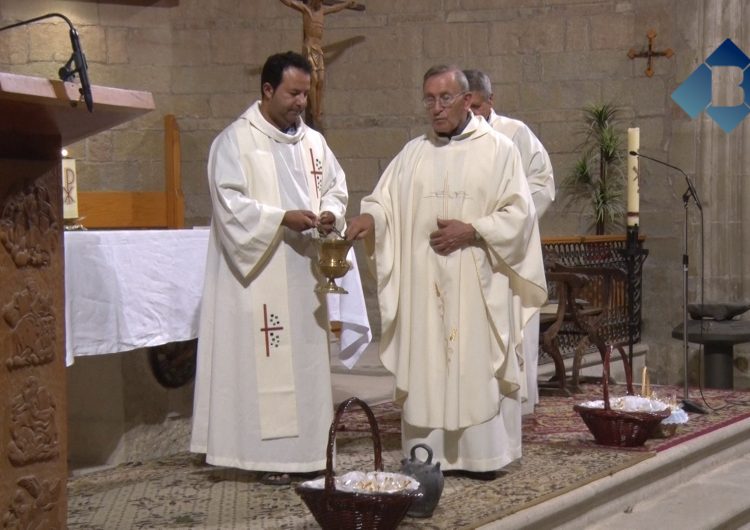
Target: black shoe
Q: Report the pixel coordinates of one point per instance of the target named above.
(481, 475)
(473, 475)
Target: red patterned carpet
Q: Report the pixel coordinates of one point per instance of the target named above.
(555, 421)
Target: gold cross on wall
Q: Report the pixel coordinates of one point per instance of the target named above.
(650, 53)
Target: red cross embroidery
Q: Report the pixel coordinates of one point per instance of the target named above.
(268, 329)
(315, 172)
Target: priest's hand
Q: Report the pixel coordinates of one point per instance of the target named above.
(299, 220)
(360, 227)
(326, 223)
(451, 235)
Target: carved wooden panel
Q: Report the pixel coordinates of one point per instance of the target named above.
(28, 226)
(34, 504)
(33, 434)
(33, 422)
(30, 319)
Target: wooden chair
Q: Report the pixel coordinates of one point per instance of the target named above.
(564, 286)
(141, 209)
(586, 314)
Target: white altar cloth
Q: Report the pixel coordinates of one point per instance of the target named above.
(128, 289)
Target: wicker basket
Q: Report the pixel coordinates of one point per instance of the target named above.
(336, 509)
(617, 427)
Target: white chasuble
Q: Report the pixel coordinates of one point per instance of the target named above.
(452, 325)
(263, 391)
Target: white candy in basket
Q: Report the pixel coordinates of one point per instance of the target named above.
(370, 482)
(629, 404)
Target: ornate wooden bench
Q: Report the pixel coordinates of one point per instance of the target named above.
(587, 278)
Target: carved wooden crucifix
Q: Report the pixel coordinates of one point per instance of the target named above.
(650, 53)
(313, 17)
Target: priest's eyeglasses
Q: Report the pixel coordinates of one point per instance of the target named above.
(444, 100)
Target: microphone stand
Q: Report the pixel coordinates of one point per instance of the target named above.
(67, 72)
(687, 405)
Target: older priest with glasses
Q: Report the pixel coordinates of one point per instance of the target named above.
(454, 243)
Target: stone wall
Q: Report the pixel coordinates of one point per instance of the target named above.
(201, 59)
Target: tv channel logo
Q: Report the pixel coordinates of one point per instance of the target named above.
(694, 95)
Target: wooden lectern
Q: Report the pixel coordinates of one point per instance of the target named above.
(37, 118)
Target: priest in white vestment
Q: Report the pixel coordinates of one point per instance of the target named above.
(538, 169)
(453, 238)
(263, 398)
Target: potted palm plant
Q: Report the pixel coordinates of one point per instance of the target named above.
(597, 180)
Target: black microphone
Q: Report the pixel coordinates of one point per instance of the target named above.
(82, 68)
(691, 188)
(66, 72)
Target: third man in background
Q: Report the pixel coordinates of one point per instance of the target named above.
(538, 168)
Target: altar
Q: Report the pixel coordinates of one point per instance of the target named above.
(130, 289)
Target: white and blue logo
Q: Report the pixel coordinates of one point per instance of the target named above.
(694, 94)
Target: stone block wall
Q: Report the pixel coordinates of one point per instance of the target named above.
(548, 58)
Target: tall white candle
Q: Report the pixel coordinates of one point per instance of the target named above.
(69, 188)
(633, 204)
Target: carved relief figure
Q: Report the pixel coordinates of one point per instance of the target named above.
(32, 426)
(33, 505)
(32, 328)
(313, 14)
(28, 227)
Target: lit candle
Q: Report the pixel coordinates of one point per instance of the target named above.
(633, 205)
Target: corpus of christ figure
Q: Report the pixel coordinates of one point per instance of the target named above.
(313, 13)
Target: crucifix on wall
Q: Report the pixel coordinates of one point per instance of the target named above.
(313, 14)
(650, 53)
